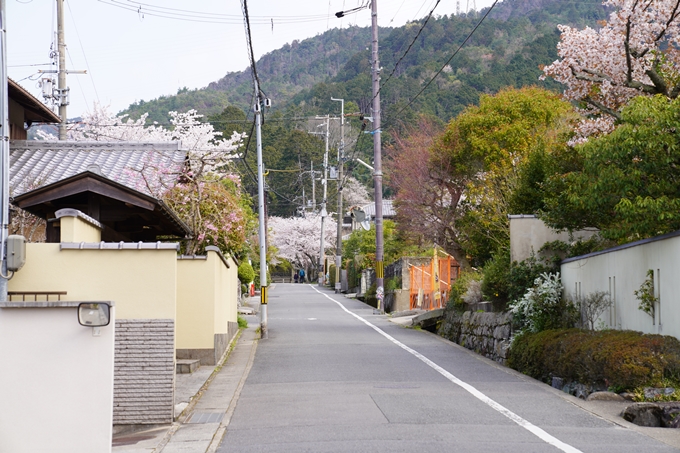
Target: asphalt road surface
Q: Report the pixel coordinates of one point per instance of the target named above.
(334, 377)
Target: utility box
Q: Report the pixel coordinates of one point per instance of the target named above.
(16, 252)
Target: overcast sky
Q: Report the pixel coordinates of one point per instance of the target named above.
(130, 53)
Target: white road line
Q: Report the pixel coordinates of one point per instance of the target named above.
(535, 430)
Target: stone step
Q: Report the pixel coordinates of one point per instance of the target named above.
(187, 366)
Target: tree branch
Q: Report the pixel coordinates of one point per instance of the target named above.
(603, 108)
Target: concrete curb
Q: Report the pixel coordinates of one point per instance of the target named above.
(221, 431)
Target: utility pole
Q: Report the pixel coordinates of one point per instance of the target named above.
(4, 152)
(324, 183)
(311, 172)
(59, 96)
(341, 156)
(259, 105)
(61, 87)
(377, 162)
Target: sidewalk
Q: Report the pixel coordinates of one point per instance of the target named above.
(205, 401)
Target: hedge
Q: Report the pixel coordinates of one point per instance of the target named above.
(618, 359)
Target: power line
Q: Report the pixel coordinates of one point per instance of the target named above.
(409, 47)
(449, 60)
(89, 71)
(143, 9)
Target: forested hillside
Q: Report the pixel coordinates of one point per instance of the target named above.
(506, 50)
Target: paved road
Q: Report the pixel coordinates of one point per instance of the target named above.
(334, 377)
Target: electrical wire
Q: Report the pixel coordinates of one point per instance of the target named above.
(89, 71)
(415, 38)
(205, 17)
(449, 60)
(82, 91)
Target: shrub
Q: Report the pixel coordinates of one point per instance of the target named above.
(645, 295)
(543, 308)
(331, 275)
(459, 288)
(523, 274)
(242, 323)
(496, 281)
(592, 306)
(245, 272)
(611, 358)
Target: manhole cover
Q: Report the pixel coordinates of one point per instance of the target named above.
(206, 417)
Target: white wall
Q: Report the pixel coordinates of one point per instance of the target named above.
(56, 382)
(621, 271)
(528, 234)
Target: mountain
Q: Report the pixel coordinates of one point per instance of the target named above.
(507, 49)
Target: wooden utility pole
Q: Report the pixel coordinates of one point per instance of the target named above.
(62, 90)
(341, 157)
(377, 161)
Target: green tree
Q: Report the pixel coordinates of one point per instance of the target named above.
(628, 183)
(487, 147)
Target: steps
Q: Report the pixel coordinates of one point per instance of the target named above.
(186, 366)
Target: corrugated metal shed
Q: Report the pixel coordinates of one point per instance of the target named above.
(36, 163)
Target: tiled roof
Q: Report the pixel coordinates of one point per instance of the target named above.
(36, 163)
(387, 210)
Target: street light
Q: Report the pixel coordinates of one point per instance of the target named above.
(377, 156)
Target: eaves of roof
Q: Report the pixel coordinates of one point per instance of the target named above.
(36, 111)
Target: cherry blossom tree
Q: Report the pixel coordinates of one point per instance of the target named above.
(634, 53)
(298, 239)
(206, 193)
(354, 193)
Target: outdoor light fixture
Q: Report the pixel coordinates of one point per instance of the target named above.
(94, 314)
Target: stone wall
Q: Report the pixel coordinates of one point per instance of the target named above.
(487, 334)
(144, 372)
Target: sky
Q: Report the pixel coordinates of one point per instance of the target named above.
(140, 50)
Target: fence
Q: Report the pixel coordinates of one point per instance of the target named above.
(431, 283)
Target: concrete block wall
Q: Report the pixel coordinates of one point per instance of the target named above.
(144, 372)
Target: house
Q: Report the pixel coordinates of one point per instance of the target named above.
(388, 212)
(24, 110)
(109, 238)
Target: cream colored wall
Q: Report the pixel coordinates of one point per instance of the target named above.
(528, 234)
(74, 229)
(141, 282)
(621, 273)
(206, 296)
(57, 385)
(195, 304)
(227, 297)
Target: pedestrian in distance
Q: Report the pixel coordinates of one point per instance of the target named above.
(302, 275)
(295, 277)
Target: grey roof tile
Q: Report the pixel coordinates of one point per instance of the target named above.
(387, 210)
(36, 163)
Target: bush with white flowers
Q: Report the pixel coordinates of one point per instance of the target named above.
(542, 306)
